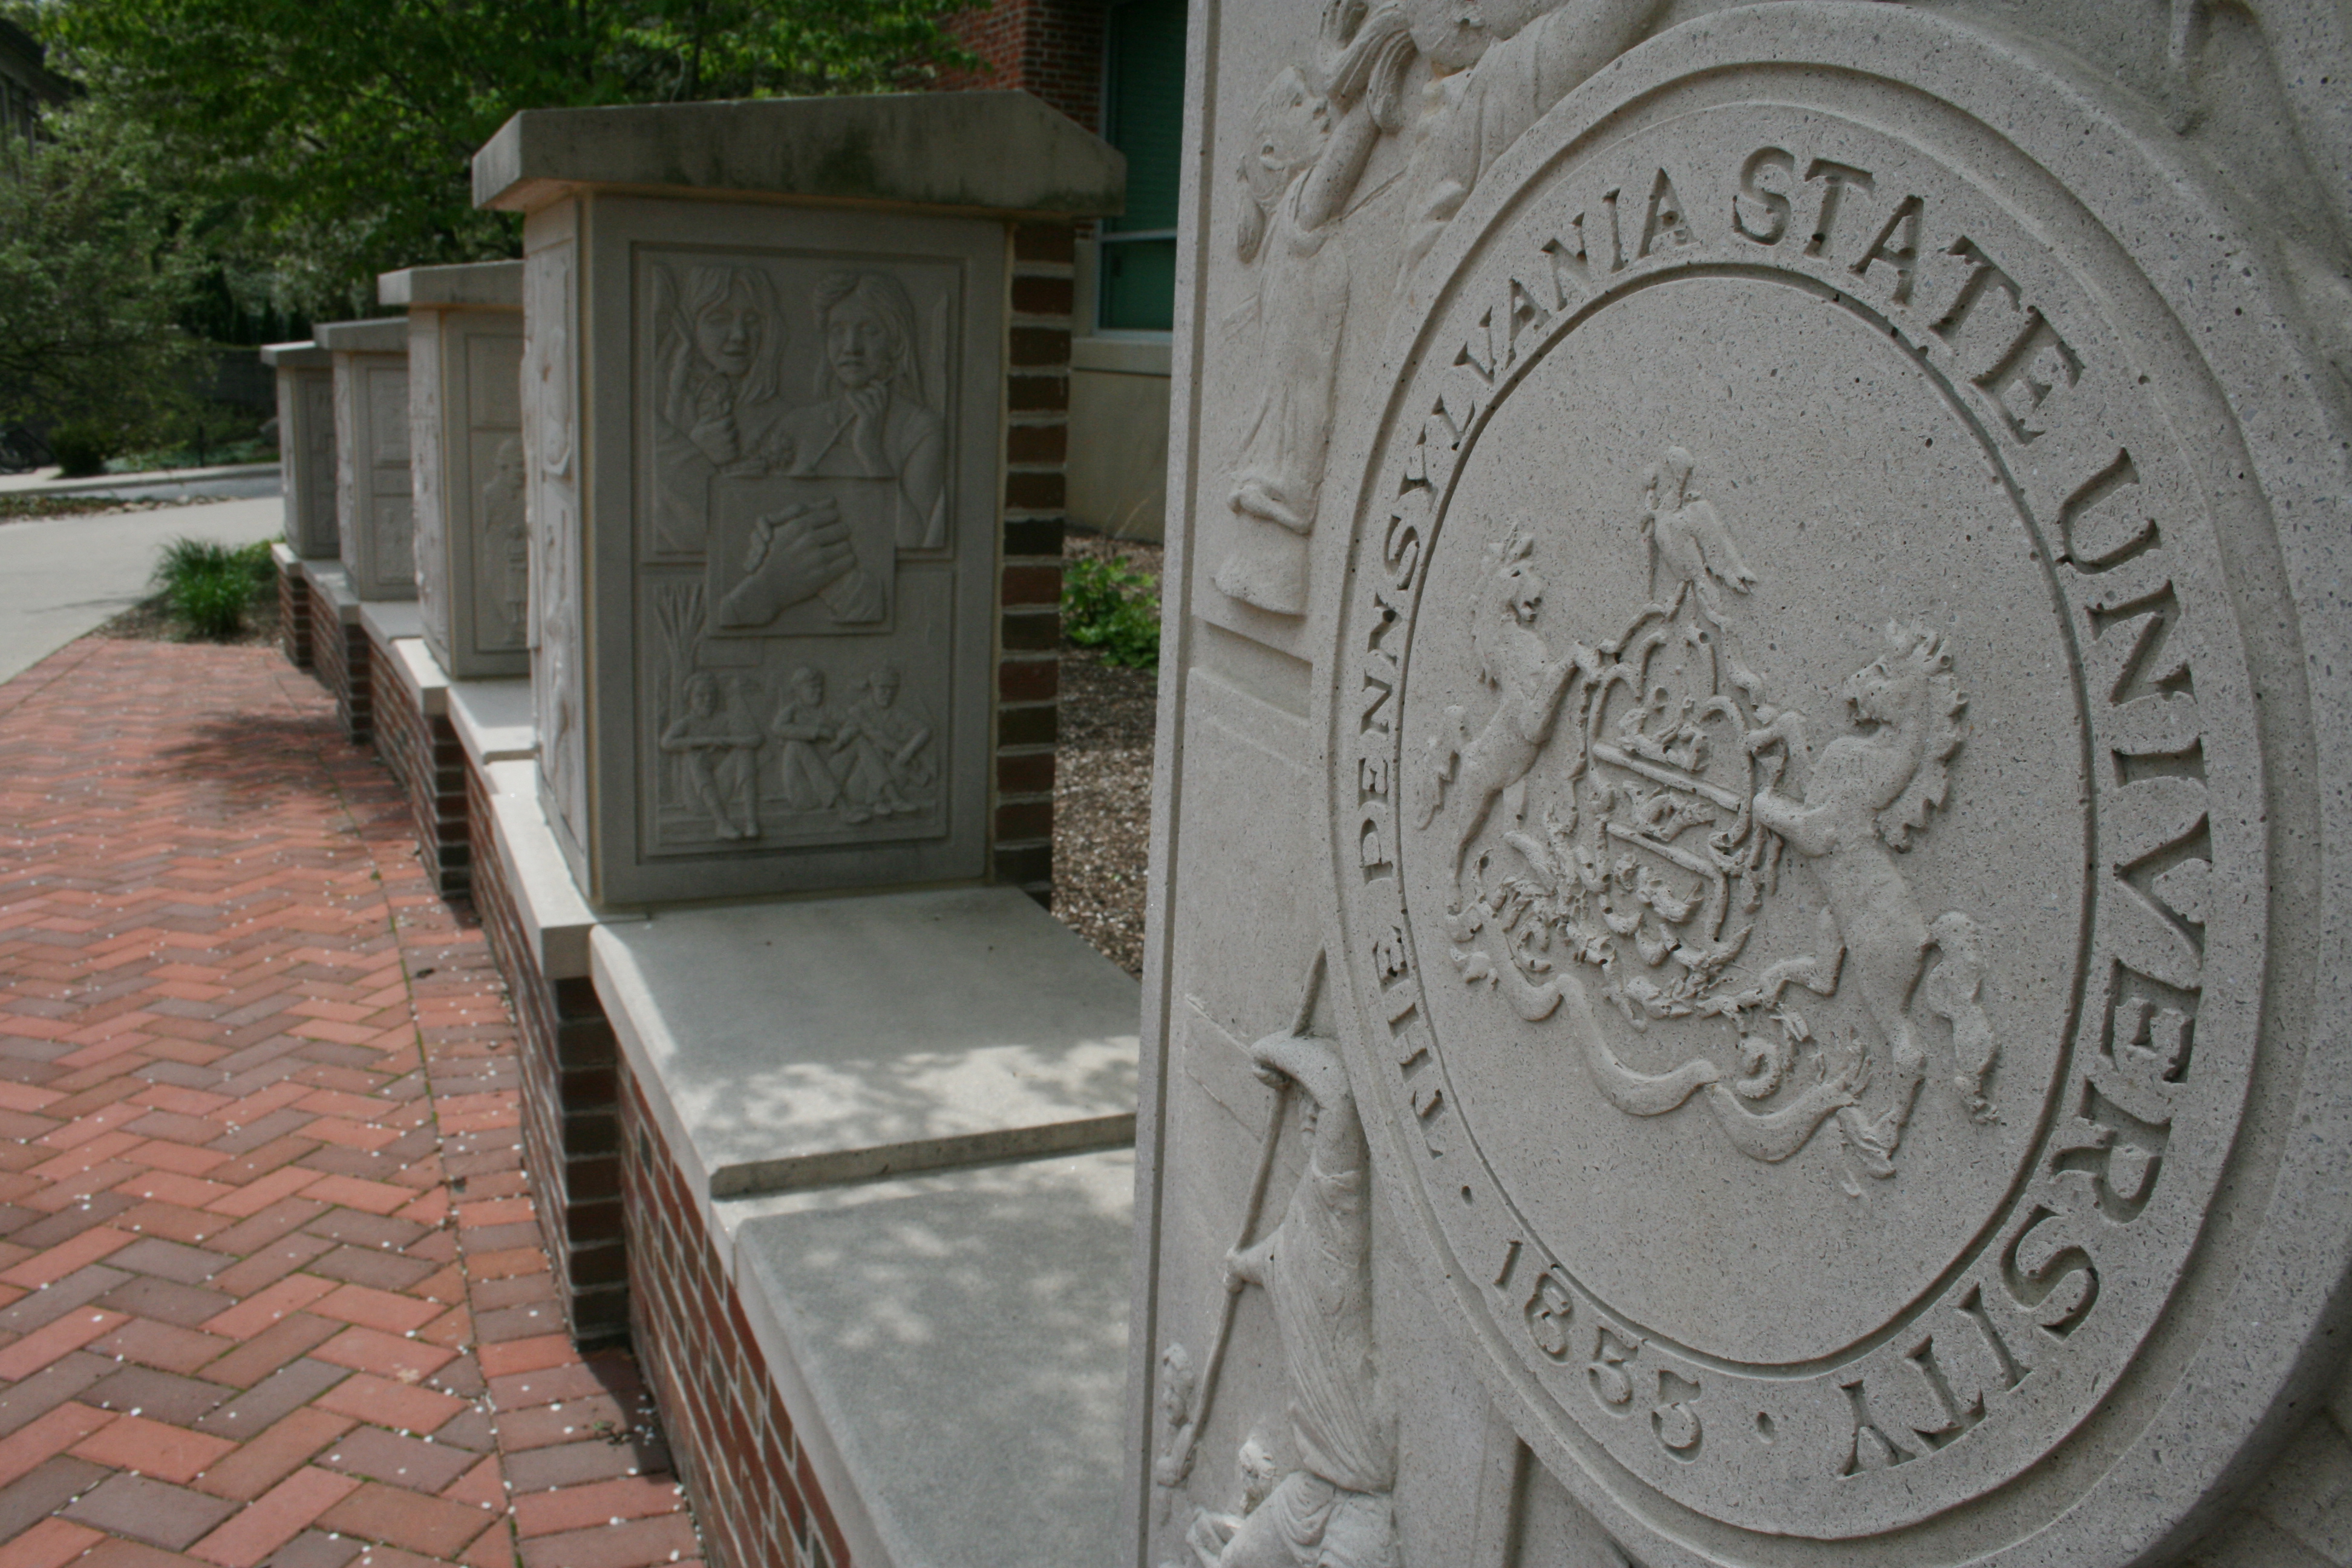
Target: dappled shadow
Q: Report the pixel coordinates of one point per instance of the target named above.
(965, 1337)
(257, 758)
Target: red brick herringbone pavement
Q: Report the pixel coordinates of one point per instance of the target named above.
(270, 1290)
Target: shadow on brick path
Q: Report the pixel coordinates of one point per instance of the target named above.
(271, 1288)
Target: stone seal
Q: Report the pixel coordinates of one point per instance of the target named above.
(1808, 845)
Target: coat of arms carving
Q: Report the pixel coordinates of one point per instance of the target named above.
(1681, 799)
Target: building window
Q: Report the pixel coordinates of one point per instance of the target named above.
(1143, 117)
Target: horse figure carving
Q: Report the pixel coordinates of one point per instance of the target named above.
(1866, 794)
(1512, 659)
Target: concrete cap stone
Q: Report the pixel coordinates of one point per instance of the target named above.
(296, 356)
(970, 153)
(383, 335)
(479, 285)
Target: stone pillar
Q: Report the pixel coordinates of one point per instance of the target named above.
(465, 374)
(1757, 676)
(306, 446)
(769, 484)
(374, 497)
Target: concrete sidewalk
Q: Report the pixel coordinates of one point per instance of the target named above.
(61, 577)
(272, 1293)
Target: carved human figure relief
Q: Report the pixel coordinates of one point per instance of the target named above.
(872, 418)
(719, 357)
(1324, 1499)
(1676, 787)
(502, 564)
(805, 730)
(1497, 69)
(1296, 174)
(718, 749)
(885, 744)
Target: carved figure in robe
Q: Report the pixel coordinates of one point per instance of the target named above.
(871, 420)
(890, 773)
(1687, 535)
(1335, 1510)
(806, 729)
(1866, 794)
(1297, 175)
(1500, 68)
(506, 543)
(718, 353)
(718, 753)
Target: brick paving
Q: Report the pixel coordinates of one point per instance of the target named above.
(271, 1291)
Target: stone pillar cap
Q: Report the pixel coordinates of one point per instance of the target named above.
(383, 335)
(296, 356)
(997, 153)
(480, 286)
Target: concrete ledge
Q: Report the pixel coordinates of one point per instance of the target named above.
(994, 154)
(297, 356)
(332, 585)
(282, 555)
(420, 675)
(389, 620)
(383, 335)
(554, 917)
(493, 720)
(829, 1040)
(952, 1349)
(480, 286)
(1121, 356)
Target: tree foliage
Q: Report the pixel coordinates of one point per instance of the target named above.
(92, 277)
(326, 140)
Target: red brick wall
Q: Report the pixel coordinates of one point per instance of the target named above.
(736, 1450)
(1050, 48)
(1028, 673)
(339, 658)
(294, 616)
(425, 756)
(571, 1118)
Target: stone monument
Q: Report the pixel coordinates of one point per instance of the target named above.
(765, 483)
(374, 497)
(1758, 669)
(306, 446)
(465, 380)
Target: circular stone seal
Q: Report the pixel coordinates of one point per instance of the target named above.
(1798, 804)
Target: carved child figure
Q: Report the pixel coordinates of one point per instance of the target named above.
(805, 727)
(719, 754)
(888, 773)
(1335, 1510)
(871, 420)
(1210, 1534)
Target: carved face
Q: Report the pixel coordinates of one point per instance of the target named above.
(886, 688)
(730, 330)
(702, 695)
(1259, 1472)
(1293, 123)
(859, 343)
(809, 686)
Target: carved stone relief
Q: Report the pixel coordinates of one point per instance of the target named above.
(1486, 74)
(797, 453)
(1787, 709)
(551, 487)
(376, 502)
(1320, 1497)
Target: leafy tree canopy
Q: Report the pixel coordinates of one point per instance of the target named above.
(318, 142)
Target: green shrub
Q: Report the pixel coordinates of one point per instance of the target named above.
(82, 447)
(1109, 605)
(210, 586)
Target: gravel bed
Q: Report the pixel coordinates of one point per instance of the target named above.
(1102, 787)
